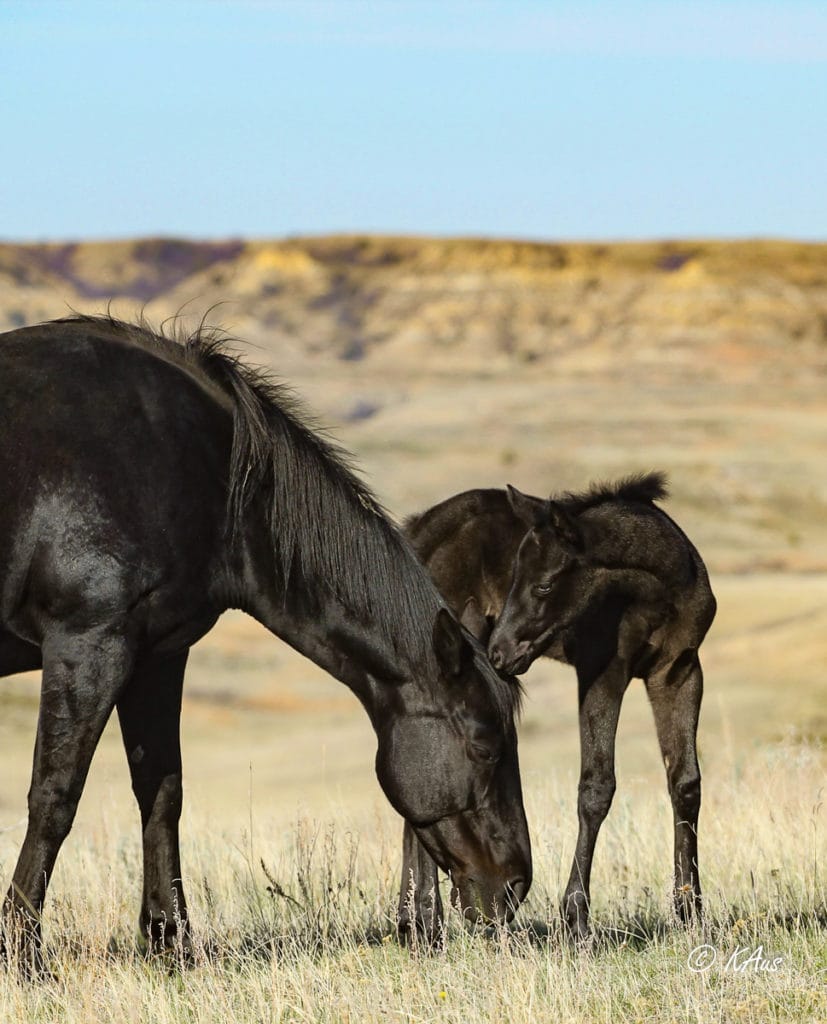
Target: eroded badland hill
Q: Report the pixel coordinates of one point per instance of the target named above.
(452, 363)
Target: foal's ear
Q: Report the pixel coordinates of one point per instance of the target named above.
(452, 650)
(532, 511)
(477, 624)
(565, 526)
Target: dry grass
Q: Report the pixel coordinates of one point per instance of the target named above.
(296, 924)
(309, 936)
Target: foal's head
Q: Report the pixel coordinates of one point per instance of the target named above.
(551, 577)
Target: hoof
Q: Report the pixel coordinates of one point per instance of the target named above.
(575, 912)
(427, 936)
(166, 945)
(688, 905)
(21, 945)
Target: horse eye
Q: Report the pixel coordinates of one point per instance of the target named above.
(483, 753)
(543, 589)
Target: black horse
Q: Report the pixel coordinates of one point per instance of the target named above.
(146, 485)
(604, 581)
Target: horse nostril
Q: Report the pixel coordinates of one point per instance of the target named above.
(496, 656)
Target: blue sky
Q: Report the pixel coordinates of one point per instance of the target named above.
(546, 120)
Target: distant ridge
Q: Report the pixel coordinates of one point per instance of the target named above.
(449, 364)
(464, 300)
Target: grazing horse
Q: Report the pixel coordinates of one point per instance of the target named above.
(146, 485)
(607, 582)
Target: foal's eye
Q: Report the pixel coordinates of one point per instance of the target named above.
(543, 589)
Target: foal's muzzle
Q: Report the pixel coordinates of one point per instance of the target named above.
(511, 658)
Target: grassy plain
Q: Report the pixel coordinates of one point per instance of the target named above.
(292, 859)
(708, 364)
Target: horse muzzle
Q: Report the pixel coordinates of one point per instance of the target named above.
(490, 879)
(487, 903)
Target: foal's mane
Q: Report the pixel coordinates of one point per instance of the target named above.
(643, 488)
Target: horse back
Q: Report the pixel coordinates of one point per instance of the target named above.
(468, 543)
(113, 468)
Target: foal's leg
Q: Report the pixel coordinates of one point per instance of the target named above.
(675, 694)
(419, 895)
(81, 679)
(600, 700)
(149, 712)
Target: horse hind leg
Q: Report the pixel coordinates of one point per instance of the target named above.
(82, 675)
(675, 694)
(149, 712)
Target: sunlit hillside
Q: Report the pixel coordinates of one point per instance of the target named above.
(448, 364)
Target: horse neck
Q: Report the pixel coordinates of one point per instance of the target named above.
(359, 653)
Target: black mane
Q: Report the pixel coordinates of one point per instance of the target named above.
(644, 488)
(326, 526)
(341, 535)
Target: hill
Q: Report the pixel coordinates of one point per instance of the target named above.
(455, 363)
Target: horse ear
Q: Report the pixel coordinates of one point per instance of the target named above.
(565, 527)
(477, 624)
(532, 511)
(451, 648)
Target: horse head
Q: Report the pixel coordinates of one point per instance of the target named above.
(447, 761)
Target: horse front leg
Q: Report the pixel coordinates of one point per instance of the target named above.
(675, 695)
(420, 914)
(600, 699)
(149, 712)
(82, 675)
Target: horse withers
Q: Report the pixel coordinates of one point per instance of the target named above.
(146, 485)
(607, 582)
